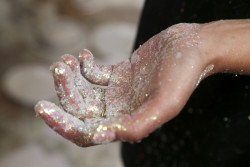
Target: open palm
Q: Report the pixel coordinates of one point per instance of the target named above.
(128, 100)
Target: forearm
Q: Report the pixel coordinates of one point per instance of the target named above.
(226, 44)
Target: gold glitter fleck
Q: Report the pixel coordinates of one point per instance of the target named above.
(99, 128)
(58, 72)
(69, 62)
(103, 114)
(154, 118)
(41, 111)
(106, 75)
(119, 127)
(92, 108)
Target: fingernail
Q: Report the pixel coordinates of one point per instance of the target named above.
(104, 137)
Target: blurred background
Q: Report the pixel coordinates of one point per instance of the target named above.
(33, 35)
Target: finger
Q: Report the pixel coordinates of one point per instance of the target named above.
(81, 83)
(65, 124)
(94, 73)
(68, 95)
(68, 126)
(119, 92)
(93, 98)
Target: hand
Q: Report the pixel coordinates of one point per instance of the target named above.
(131, 99)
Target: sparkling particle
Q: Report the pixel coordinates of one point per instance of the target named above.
(225, 119)
(119, 127)
(68, 61)
(154, 118)
(99, 128)
(204, 73)
(41, 111)
(59, 71)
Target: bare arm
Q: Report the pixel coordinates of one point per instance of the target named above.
(227, 42)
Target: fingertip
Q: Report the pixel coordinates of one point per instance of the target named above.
(45, 110)
(63, 123)
(85, 54)
(40, 107)
(58, 68)
(71, 61)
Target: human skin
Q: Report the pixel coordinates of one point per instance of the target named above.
(147, 90)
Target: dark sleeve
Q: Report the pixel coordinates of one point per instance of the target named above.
(213, 127)
(157, 15)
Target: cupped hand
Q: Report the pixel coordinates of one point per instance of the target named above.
(129, 100)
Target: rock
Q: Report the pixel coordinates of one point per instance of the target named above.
(28, 84)
(114, 40)
(33, 156)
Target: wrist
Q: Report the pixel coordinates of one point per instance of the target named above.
(226, 44)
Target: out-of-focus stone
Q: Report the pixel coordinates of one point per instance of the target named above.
(28, 84)
(95, 5)
(62, 36)
(114, 40)
(34, 156)
(97, 156)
